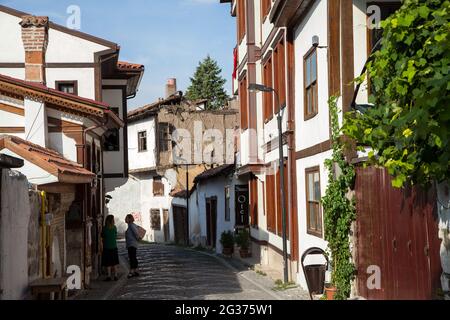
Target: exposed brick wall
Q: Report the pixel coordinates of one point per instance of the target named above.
(35, 41)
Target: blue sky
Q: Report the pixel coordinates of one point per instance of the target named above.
(169, 37)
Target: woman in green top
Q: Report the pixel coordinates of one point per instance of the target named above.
(110, 257)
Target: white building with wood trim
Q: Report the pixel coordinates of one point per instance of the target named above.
(307, 51)
(66, 91)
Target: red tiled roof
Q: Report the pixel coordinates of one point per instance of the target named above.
(49, 160)
(127, 66)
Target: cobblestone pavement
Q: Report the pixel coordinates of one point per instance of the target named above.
(174, 273)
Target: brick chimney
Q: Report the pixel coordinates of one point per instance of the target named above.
(35, 41)
(171, 87)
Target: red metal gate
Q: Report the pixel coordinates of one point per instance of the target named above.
(397, 231)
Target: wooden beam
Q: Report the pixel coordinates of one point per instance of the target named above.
(12, 109)
(12, 129)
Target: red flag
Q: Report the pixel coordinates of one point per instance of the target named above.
(235, 67)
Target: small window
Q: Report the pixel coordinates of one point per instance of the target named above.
(310, 78)
(313, 206)
(158, 187)
(227, 203)
(155, 218)
(67, 87)
(165, 137)
(142, 141)
(111, 140)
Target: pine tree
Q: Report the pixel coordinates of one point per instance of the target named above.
(207, 83)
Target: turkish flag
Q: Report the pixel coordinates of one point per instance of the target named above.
(235, 66)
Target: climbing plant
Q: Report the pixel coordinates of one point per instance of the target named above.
(408, 129)
(339, 210)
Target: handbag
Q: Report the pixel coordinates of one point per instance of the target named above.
(141, 232)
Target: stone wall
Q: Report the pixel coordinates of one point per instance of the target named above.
(14, 222)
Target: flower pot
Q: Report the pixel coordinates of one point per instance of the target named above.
(244, 253)
(330, 292)
(227, 251)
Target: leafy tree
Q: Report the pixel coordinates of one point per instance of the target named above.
(207, 83)
(409, 127)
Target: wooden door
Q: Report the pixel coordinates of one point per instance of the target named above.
(180, 225)
(211, 221)
(166, 225)
(396, 232)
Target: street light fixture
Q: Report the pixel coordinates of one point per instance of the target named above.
(254, 87)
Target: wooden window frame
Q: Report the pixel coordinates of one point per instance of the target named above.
(158, 180)
(266, 5)
(140, 150)
(268, 81)
(314, 85)
(164, 137)
(310, 231)
(117, 130)
(65, 82)
(243, 101)
(154, 212)
(241, 20)
(271, 210)
(370, 32)
(279, 73)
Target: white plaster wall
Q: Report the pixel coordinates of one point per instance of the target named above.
(214, 187)
(64, 145)
(305, 240)
(149, 202)
(84, 76)
(244, 151)
(266, 26)
(114, 161)
(147, 159)
(8, 119)
(360, 41)
(316, 130)
(18, 73)
(36, 128)
(14, 218)
(63, 47)
(125, 200)
(11, 46)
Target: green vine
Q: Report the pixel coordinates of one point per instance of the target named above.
(339, 210)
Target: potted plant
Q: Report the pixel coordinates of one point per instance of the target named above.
(243, 241)
(330, 288)
(227, 242)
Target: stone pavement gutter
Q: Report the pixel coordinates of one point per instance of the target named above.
(265, 283)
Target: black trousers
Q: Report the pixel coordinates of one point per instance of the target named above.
(132, 257)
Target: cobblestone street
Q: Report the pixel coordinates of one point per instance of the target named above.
(174, 273)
